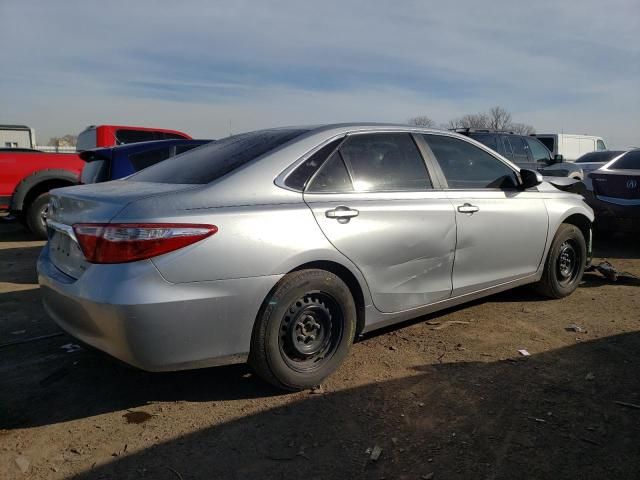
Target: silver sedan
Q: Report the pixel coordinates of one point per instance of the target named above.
(282, 246)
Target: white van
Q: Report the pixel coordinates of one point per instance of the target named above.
(571, 146)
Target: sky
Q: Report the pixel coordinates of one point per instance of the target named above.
(211, 68)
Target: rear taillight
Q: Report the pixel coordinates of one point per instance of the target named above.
(128, 242)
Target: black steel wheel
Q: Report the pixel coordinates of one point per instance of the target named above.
(304, 330)
(565, 263)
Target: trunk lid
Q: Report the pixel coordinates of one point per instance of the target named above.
(617, 184)
(96, 203)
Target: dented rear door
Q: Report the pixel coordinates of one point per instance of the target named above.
(403, 243)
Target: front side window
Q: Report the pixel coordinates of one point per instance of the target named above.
(538, 151)
(600, 145)
(380, 162)
(466, 166)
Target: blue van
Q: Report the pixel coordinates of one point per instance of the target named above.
(112, 163)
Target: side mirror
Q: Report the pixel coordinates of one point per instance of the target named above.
(530, 178)
(558, 158)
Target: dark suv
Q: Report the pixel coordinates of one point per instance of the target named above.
(524, 151)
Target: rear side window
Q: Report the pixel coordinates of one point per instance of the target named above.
(300, 176)
(143, 160)
(519, 149)
(466, 166)
(135, 136)
(629, 161)
(169, 136)
(385, 162)
(489, 140)
(214, 160)
(332, 177)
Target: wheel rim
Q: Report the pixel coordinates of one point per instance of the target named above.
(310, 331)
(44, 214)
(567, 263)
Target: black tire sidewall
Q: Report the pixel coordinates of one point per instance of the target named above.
(34, 215)
(565, 232)
(278, 305)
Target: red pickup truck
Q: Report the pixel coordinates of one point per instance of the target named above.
(26, 175)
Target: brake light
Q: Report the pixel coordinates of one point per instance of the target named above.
(128, 242)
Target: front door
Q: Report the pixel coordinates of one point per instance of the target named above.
(501, 230)
(374, 201)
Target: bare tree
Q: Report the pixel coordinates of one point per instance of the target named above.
(422, 121)
(65, 141)
(522, 128)
(499, 118)
(472, 120)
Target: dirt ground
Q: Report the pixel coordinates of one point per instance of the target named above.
(443, 400)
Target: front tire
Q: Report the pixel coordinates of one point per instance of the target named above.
(304, 330)
(36, 216)
(565, 263)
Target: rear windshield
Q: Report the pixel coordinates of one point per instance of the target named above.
(213, 161)
(629, 161)
(598, 156)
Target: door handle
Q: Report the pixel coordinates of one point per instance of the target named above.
(342, 214)
(468, 209)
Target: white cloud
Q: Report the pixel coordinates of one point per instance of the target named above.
(196, 65)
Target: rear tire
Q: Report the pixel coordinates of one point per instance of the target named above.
(36, 216)
(304, 330)
(565, 263)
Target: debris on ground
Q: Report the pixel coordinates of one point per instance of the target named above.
(609, 272)
(18, 332)
(574, 328)
(137, 416)
(524, 353)
(318, 389)
(70, 347)
(432, 322)
(392, 348)
(428, 476)
(23, 463)
(448, 323)
(376, 451)
(590, 376)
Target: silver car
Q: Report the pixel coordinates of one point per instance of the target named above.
(281, 246)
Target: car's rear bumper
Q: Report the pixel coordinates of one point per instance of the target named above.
(135, 315)
(615, 217)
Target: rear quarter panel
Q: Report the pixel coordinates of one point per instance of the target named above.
(251, 242)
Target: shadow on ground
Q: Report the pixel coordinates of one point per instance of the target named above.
(550, 416)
